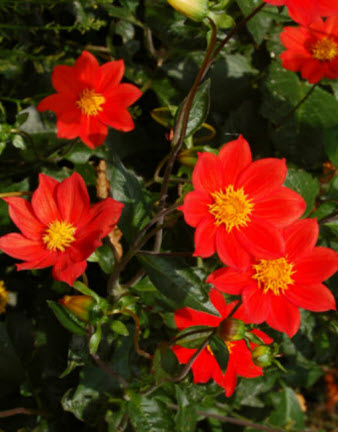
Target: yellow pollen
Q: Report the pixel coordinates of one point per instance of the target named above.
(90, 102)
(227, 343)
(325, 49)
(3, 297)
(274, 275)
(59, 235)
(231, 207)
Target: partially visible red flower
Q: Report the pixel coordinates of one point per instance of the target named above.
(89, 98)
(274, 290)
(313, 50)
(238, 206)
(59, 228)
(205, 367)
(307, 11)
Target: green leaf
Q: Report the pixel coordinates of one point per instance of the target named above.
(193, 337)
(331, 146)
(287, 412)
(307, 186)
(186, 417)
(95, 340)
(67, 319)
(199, 109)
(104, 257)
(176, 280)
(150, 415)
(164, 363)
(220, 351)
(119, 328)
(127, 188)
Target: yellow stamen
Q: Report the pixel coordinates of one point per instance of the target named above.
(3, 297)
(227, 343)
(90, 102)
(274, 275)
(325, 49)
(231, 207)
(59, 235)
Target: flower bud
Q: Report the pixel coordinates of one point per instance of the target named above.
(262, 355)
(188, 157)
(231, 329)
(193, 9)
(80, 305)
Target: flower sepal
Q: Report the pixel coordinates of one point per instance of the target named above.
(231, 329)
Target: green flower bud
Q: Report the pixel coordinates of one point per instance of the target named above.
(188, 157)
(193, 9)
(262, 355)
(231, 329)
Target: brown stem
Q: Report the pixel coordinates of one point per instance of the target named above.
(231, 420)
(172, 254)
(20, 410)
(109, 371)
(291, 113)
(136, 334)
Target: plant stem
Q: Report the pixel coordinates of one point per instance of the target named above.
(136, 334)
(14, 194)
(291, 113)
(20, 410)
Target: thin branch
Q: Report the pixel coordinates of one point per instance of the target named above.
(20, 410)
(231, 420)
(15, 194)
(136, 334)
(333, 217)
(109, 371)
(291, 113)
(178, 254)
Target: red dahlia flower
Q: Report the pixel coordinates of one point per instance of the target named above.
(307, 11)
(205, 366)
(89, 98)
(274, 290)
(238, 206)
(312, 50)
(59, 228)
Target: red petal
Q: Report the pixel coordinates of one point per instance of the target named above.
(316, 298)
(21, 213)
(183, 354)
(102, 216)
(67, 271)
(85, 246)
(92, 132)
(207, 175)
(203, 367)
(328, 8)
(46, 259)
(72, 198)
(229, 280)
(282, 208)
(230, 379)
(18, 246)
(205, 238)
(43, 200)
(195, 207)
(313, 70)
(265, 338)
(86, 70)
(230, 250)
(235, 156)
(64, 80)
(117, 117)
(261, 239)
(218, 300)
(262, 178)
(110, 75)
(69, 124)
(304, 11)
(187, 317)
(58, 103)
(283, 316)
(316, 266)
(256, 304)
(122, 95)
(242, 361)
(300, 238)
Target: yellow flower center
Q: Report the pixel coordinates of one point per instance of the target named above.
(90, 102)
(59, 235)
(325, 49)
(229, 345)
(231, 207)
(3, 297)
(274, 275)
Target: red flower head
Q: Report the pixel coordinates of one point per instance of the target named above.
(89, 98)
(59, 228)
(312, 50)
(205, 366)
(238, 206)
(307, 11)
(274, 290)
